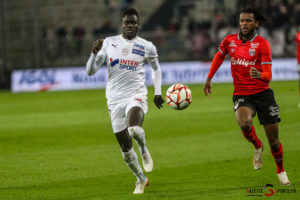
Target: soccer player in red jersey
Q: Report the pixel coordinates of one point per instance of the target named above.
(298, 56)
(251, 62)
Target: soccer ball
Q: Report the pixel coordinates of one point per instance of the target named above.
(179, 96)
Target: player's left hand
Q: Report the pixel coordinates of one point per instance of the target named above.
(158, 101)
(254, 73)
(207, 87)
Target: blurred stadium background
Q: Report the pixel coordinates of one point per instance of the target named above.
(59, 33)
(59, 145)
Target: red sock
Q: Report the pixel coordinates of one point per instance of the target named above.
(252, 137)
(278, 156)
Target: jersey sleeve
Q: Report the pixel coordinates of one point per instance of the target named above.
(95, 61)
(223, 46)
(152, 52)
(152, 59)
(265, 52)
(298, 38)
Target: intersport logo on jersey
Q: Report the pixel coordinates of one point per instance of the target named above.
(242, 62)
(124, 64)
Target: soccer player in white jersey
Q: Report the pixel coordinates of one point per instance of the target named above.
(126, 93)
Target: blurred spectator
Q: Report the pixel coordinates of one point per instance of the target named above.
(106, 29)
(158, 39)
(277, 42)
(201, 43)
(173, 28)
(297, 15)
(220, 8)
(192, 25)
(48, 45)
(113, 7)
(78, 34)
(61, 34)
(126, 4)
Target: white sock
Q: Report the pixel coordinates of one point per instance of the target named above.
(131, 160)
(138, 134)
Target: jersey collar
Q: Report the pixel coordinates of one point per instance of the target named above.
(126, 40)
(253, 38)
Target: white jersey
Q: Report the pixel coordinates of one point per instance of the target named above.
(126, 66)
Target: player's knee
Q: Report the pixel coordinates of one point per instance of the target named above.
(131, 131)
(246, 127)
(135, 131)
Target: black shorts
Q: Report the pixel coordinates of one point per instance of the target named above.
(263, 103)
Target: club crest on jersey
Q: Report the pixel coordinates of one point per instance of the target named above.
(125, 52)
(232, 44)
(251, 52)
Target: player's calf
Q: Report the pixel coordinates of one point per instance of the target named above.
(131, 160)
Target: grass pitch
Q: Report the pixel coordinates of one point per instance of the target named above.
(59, 145)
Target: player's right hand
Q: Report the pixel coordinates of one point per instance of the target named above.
(97, 45)
(158, 101)
(207, 87)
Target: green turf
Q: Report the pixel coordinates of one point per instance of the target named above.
(59, 145)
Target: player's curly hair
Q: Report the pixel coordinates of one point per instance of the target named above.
(257, 14)
(131, 11)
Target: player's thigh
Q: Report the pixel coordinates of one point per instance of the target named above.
(136, 110)
(244, 110)
(244, 116)
(267, 108)
(118, 117)
(135, 116)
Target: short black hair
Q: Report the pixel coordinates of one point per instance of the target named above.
(256, 13)
(131, 11)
